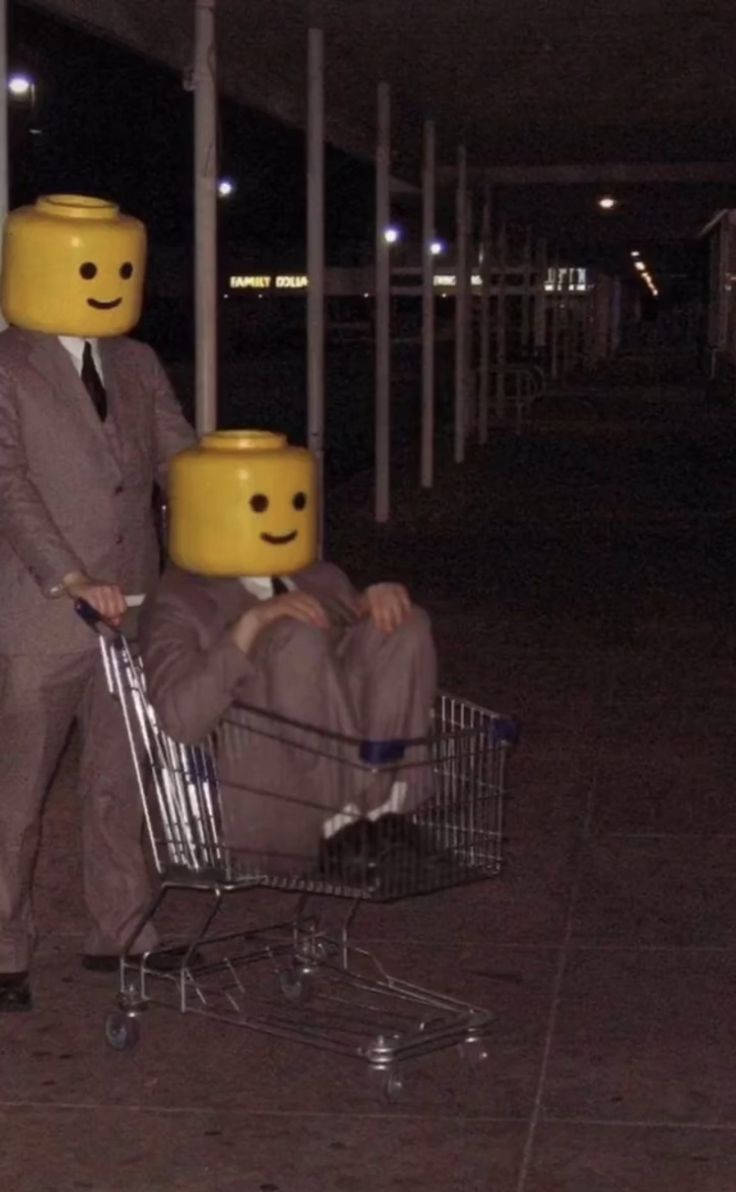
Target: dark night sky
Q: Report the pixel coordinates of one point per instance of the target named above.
(119, 125)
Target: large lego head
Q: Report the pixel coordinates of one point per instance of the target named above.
(73, 265)
(243, 502)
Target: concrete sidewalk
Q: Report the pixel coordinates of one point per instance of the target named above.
(579, 579)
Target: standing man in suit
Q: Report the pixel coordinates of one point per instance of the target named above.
(88, 423)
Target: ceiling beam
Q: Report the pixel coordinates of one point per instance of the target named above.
(695, 173)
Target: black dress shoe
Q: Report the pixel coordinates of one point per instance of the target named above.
(15, 993)
(167, 961)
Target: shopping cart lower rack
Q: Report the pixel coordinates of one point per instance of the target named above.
(301, 979)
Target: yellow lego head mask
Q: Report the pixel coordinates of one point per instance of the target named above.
(243, 502)
(73, 265)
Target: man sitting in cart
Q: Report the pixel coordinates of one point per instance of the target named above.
(245, 617)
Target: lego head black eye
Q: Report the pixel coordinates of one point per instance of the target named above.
(126, 271)
(259, 503)
(299, 501)
(88, 270)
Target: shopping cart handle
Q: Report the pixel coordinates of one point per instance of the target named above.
(89, 615)
(97, 622)
(378, 753)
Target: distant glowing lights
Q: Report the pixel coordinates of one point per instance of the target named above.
(644, 274)
(225, 188)
(391, 235)
(607, 203)
(436, 248)
(20, 85)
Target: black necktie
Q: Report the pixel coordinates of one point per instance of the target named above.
(93, 383)
(278, 586)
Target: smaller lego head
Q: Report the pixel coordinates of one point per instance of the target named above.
(73, 265)
(243, 502)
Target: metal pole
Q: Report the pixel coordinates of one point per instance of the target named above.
(555, 354)
(4, 153)
(469, 386)
(205, 215)
(526, 294)
(316, 259)
(603, 311)
(485, 321)
(540, 301)
(383, 308)
(615, 315)
(461, 300)
(501, 323)
(569, 327)
(428, 234)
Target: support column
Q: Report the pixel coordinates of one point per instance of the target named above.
(540, 301)
(205, 215)
(602, 316)
(4, 147)
(428, 312)
(461, 301)
(568, 336)
(526, 295)
(485, 316)
(316, 260)
(555, 329)
(383, 309)
(615, 315)
(501, 322)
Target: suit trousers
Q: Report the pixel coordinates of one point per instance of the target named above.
(40, 698)
(354, 681)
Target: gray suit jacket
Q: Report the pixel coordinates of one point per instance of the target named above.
(193, 668)
(75, 494)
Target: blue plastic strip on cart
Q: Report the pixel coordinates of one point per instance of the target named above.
(379, 753)
(504, 731)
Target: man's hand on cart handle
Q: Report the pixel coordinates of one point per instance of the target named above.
(105, 598)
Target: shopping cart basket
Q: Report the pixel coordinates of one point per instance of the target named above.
(299, 979)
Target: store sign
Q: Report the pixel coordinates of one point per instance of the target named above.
(448, 281)
(268, 281)
(566, 280)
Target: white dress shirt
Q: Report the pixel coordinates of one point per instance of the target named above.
(261, 587)
(74, 345)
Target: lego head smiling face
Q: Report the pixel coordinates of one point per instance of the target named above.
(73, 265)
(243, 503)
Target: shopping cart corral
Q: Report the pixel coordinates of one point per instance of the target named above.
(300, 978)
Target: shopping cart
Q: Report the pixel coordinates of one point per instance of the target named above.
(300, 979)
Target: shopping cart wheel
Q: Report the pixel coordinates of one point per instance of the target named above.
(121, 1031)
(389, 1082)
(296, 985)
(473, 1052)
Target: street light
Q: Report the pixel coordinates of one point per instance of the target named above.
(436, 247)
(607, 203)
(391, 235)
(225, 188)
(640, 266)
(20, 85)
